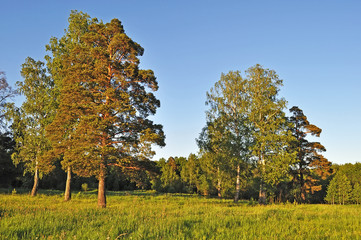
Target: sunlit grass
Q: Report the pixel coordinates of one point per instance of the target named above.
(146, 215)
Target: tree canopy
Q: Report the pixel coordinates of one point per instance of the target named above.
(104, 104)
(29, 120)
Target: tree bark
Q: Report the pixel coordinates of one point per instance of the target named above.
(36, 182)
(101, 188)
(262, 191)
(219, 188)
(302, 186)
(238, 184)
(262, 195)
(67, 195)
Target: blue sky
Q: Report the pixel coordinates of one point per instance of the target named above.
(314, 46)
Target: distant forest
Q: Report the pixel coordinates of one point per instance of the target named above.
(84, 124)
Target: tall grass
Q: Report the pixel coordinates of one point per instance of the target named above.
(146, 215)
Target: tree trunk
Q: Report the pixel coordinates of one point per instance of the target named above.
(262, 191)
(302, 186)
(219, 188)
(67, 195)
(262, 194)
(280, 196)
(36, 182)
(101, 189)
(238, 184)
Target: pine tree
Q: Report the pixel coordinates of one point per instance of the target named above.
(104, 104)
(311, 165)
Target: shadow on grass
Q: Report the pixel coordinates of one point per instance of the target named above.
(92, 193)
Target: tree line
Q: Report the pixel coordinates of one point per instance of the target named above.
(86, 111)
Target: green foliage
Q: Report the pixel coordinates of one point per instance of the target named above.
(29, 121)
(272, 135)
(345, 185)
(227, 135)
(356, 193)
(190, 173)
(104, 101)
(246, 122)
(59, 50)
(339, 190)
(144, 215)
(8, 172)
(84, 187)
(170, 179)
(352, 171)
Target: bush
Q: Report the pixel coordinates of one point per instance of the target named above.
(84, 187)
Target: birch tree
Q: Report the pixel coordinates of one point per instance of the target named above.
(59, 49)
(29, 120)
(271, 128)
(246, 122)
(228, 131)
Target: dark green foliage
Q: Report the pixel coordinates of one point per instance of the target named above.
(170, 179)
(356, 193)
(311, 167)
(339, 190)
(9, 174)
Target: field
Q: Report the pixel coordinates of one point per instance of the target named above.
(146, 215)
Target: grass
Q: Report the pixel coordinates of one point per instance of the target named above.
(146, 215)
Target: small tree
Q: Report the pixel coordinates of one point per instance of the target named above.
(345, 189)
(332, 193)
(191, 172)
(356, 193)
(29, 121)
(339, 190)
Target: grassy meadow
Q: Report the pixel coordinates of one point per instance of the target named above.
(147, 215)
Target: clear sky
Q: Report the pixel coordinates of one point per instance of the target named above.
(314, 46)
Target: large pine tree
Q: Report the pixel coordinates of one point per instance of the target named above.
(104, 104)
(311, 166)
